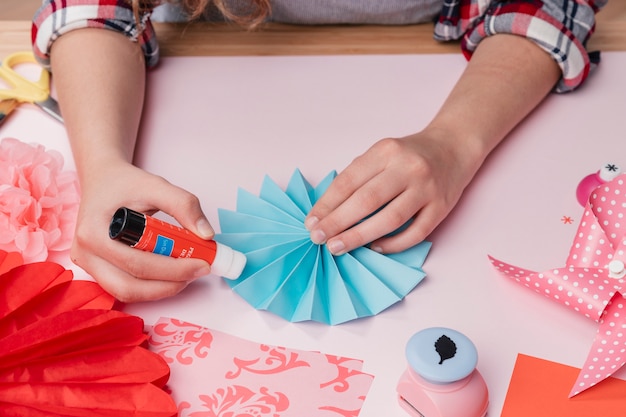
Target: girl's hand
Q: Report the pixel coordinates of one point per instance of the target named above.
(419, 177)
(127, 273)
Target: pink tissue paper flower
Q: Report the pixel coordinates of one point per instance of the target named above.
(38, 200)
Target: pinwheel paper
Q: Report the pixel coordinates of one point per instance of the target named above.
(64, 352)
(289, 275)
(586, 285)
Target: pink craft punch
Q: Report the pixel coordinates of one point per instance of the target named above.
(441, 379)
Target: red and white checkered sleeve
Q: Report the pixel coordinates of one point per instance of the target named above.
(560, 27)
(57, 17)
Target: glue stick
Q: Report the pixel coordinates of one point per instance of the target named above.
(153, 235)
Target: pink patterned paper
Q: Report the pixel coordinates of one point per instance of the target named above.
(214, 374)
(586, 285)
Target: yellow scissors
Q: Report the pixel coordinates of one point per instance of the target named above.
(24, 90)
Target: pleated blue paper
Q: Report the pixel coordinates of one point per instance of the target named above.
(289, 275)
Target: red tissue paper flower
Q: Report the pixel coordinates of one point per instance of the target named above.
(38, 200)
(64, 352)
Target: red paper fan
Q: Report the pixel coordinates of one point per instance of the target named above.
(64, 352)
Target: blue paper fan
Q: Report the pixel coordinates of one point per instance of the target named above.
(289, 275)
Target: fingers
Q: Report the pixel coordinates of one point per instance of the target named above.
(149, 266)
(368, 199)
(374, 187)
(397, 222)
(184, 207)
(354, 194)
(420, 226)
(125, 287)
(343, 187)
(127, 273)
(395, 181)
(133, 275)
(398, 210)
(91, 237)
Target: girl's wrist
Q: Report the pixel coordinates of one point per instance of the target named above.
(468, 149)
(95, 167)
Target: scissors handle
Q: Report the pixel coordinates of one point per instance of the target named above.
(22, 89)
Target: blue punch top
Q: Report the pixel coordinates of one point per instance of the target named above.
(441, 355)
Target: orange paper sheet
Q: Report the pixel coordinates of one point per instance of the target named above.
(540, 388)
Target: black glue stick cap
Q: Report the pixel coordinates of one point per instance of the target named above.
(127, 226)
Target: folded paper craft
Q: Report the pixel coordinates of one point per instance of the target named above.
(586, 284)
(291, 276)
(64, 352)
(217, 374)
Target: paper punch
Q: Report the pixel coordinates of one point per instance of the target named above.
(441, 379)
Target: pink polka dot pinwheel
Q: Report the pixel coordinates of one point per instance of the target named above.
(592, 281)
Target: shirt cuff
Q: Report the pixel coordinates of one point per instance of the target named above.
(565, 44)
(57, 17)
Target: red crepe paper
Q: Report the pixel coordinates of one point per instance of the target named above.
(9, 260)
(64, 352)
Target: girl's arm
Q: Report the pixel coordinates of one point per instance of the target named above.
(422, 176)
(520, 51)
(100, 80)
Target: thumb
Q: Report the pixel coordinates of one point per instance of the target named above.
(202, 227)
(185, 208)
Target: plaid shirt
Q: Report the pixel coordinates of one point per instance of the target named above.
(560, 27)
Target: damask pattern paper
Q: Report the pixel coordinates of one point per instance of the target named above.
(214, 374)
